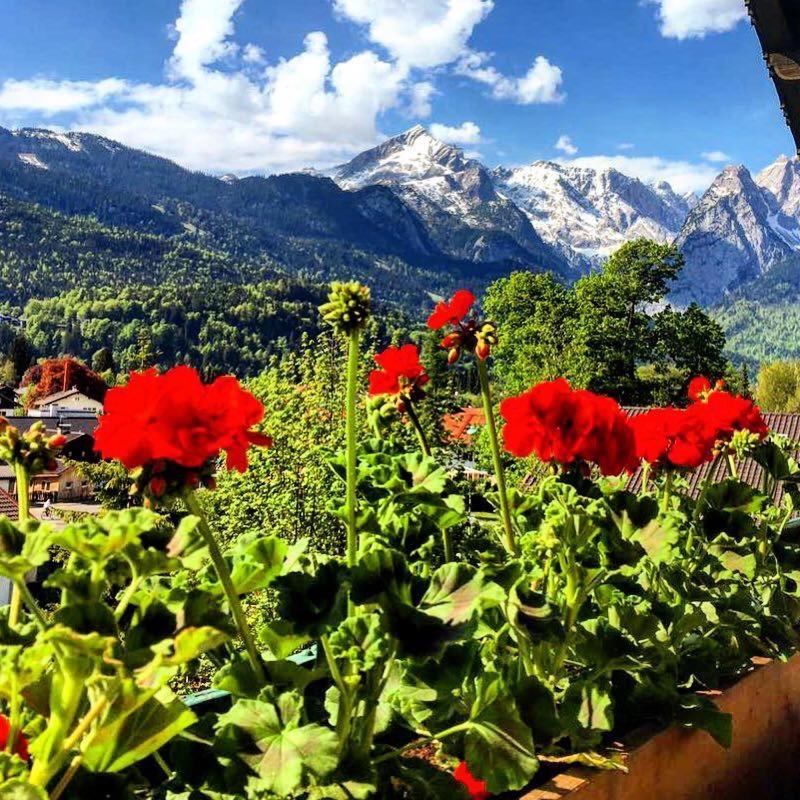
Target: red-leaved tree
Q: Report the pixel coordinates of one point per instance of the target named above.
(59, 374)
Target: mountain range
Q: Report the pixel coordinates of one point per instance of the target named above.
(415, 216)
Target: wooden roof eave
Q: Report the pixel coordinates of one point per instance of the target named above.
(777, 23)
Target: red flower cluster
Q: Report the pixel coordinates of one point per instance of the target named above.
(453, 312)
(176, 418)
(20, 746)
(672, 436)
(400, 371)
(476, 788)
(691, 437)
(725, 414)
(565, 426)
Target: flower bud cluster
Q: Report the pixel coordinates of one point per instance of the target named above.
(468, 333)
(348, 307)
(34, 450)
(161, 481)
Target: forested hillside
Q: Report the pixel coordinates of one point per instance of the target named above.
(762, 319)
(82, 286)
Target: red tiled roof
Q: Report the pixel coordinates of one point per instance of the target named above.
(8, 505)
(462, 426)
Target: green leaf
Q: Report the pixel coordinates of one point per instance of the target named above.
(253, 565)
(19, 790)
(589, 706)
(137, 725)
(361, 642)
(700, 712)
(287, 752)
(281, 639)
(97, 539)
(188, 544)
(382, 573)
(659, 538)
(538, 711)
(498, 740)
(314, 603)
(23, 547)
(457, 591)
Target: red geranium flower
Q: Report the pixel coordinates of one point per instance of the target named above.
(400, 371)
(565, 426)
(20, 746)
(671, 436)
(700, 388)
(175, 417)
(453, 312)
(476, 788)
(723, 414)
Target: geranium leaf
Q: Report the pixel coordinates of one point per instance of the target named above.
(280, 638)
(458, 591)
(20, 790)
(588, 706)
(497, 741)
(313, 603)
(137, 725)
(287, 752)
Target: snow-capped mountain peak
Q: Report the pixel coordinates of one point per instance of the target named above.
(591, 211)
(416, 156)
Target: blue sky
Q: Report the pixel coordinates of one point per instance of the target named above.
(670, 89)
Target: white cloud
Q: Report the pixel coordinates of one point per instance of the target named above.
(49, 97)
(626, 146)
(566, 145)
(684, 19)
(418, 33)
(299, 111)
(466, 133)
(421, 95)
(253, 54)
(225, 107)
(541, 84)
(717, 157)
(203, 30)
(683, 176)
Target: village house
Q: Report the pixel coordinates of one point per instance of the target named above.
(61, 485)
(71, 402)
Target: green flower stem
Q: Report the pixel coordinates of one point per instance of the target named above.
(460, 728)
(33, 607)
(732, 467)
(14, 720)
(128, 594)
(645, 477)
(423, 439)
(508, 541)
(447, 543)
(574, 596)
(23, 503)
(667, 496)
(67, 777)
(45, 769)
(224, 575)
(352, 445)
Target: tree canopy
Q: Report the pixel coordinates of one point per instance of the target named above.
(611, 332)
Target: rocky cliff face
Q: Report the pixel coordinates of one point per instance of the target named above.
(739, 230)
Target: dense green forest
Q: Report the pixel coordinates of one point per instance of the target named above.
(82, 286)
(762, 320)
